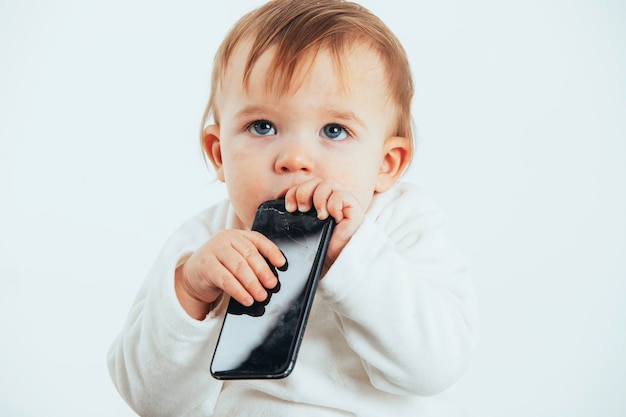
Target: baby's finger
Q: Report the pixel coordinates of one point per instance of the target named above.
(266, 252)
(304, 194)
(224, 279)
(237, 263)
(343, 205)
(268, 249)
(320, 198)
(291, 204)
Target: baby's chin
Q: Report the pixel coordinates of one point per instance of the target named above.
(247, 216)
(244, 216)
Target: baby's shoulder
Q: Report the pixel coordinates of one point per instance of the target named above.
(403, 201)
(208, 221)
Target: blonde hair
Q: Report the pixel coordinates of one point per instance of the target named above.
(297, 30)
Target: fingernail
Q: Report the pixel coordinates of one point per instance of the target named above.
(284, 267)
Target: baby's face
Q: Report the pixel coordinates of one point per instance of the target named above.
(323, 128)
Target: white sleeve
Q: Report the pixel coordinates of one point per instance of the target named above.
(160, 361)
(403, 298)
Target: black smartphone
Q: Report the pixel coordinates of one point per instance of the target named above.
(262, 341)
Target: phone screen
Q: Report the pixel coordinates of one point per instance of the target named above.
(262, 341)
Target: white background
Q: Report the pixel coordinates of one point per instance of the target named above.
(521, 118)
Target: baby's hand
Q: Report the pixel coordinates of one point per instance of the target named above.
(233, 262)
(328, 198)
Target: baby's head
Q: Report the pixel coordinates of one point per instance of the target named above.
(298, 29)
(280, 58)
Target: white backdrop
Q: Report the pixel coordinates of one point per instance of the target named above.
(521, 117)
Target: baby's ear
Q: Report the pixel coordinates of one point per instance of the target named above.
(396, 156)
(212, 149)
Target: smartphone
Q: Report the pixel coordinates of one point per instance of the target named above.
(262, 341)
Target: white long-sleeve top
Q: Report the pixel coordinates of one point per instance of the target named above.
(391, 329)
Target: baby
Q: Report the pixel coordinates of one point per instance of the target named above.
(311, 102)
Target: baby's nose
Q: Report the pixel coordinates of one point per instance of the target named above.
(294, 157)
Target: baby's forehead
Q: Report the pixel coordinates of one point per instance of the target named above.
(282, 73)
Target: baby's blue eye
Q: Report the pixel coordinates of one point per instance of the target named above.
(262, 128)
(334, 132)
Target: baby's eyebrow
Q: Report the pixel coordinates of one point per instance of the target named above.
(252, 110)
(346, 116)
